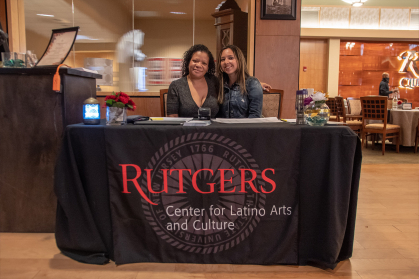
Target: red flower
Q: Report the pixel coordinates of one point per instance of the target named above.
(124, 99)
(123, 94)
(131, 103)
(113, 97)
(399, 102)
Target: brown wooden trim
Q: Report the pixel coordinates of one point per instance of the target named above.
(3, 15)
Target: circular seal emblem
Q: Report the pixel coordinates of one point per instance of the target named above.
(197, 213)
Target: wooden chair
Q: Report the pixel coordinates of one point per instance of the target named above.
(163, 101)
(272, 103)
(354, 108)
(331, 103)
(356, 126)
(375, 108)
(417, 138)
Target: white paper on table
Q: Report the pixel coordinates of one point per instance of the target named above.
(171, 118)
(247, 120)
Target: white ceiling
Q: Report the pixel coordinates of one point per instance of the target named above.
(91, 28)
(375, 3)
(63, 17)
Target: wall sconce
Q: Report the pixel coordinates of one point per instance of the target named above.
(91, 112)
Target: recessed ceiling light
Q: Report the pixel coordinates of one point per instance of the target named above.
(45, 15)
(178, 13)
(355, 3)
(83, 37)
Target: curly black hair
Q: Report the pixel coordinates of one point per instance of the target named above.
(187, 56)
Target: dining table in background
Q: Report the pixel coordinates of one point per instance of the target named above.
(408, 122)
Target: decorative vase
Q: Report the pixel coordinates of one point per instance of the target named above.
(116, 116)
(317, 113)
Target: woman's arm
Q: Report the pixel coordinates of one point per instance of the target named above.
(255, 95)
(172, 102)
(265, 86)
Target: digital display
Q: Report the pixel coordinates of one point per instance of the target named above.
(91, 111)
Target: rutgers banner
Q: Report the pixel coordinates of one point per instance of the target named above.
(178, 195)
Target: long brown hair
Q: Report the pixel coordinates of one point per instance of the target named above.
(241, 71)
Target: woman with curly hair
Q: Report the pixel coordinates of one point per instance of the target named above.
(240, 95)
(198, 86)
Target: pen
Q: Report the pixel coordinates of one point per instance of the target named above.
(283, 120)
(156, 118)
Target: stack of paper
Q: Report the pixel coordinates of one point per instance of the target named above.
(247, 120)
(197, 123)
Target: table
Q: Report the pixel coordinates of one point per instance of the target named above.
(408, 122)
(103, 213)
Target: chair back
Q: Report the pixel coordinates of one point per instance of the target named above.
(340, 108)
(163, 102)
(331, 103)
(374, 108)
(272, 103)
(354, 106)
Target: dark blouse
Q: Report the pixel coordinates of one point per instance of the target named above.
(180, 101)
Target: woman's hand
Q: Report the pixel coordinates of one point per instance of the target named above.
(266, 86)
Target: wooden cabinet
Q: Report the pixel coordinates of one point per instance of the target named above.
(231, 26)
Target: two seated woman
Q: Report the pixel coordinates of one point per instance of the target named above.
(233, 93)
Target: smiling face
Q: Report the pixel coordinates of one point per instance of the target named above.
(228, 62)
(198, 66)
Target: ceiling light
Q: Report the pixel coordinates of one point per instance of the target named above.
(355, 3)
(45, 15)
(178, 13)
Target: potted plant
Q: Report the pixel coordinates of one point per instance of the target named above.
(117, 105)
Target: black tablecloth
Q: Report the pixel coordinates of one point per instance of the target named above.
(316, 170)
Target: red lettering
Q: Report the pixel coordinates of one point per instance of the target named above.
(196, 186)
(268, 180)
(250, 182)
(223, 180)
(134, 180)
(148, 171)
(180, 178)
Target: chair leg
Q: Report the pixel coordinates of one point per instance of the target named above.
(383, 143)
(398, 142)
(373, 141)
(363, 137)
(416, 142)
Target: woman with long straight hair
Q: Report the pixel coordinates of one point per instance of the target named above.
(240, 95)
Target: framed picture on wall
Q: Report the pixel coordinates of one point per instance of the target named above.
(278, 9)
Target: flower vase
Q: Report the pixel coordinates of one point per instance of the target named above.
(317, 113)
(116, 116)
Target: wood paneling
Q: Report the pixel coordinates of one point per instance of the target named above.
(277, 54)
(3, 16)
(361, 68)
(314, 56)
(147, 106)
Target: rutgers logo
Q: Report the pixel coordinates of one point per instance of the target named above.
(204, 193)
(409, 63)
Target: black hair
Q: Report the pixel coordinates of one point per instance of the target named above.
(187, 56)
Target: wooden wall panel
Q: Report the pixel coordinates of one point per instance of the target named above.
(147, 106)
(361, 68)
(314, 56)
(277, 54)
(3, 16)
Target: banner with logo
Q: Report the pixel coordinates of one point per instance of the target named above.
(220, 196)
